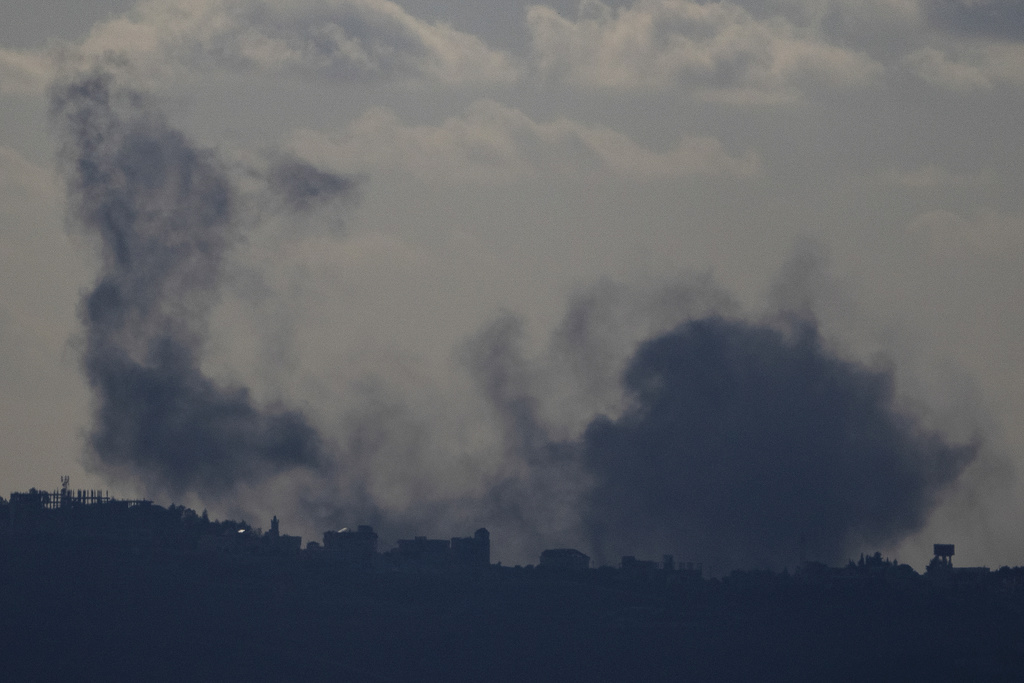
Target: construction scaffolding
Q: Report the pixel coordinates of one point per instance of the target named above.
(56, 500)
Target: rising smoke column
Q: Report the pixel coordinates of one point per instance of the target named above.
(165, 213)
(534, 497)
(743, 444)
(746, 445)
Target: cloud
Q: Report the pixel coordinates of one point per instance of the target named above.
(23, 177)
(714, 47)
(24, 72)
(969, 65)
(951, 237)
(1001, 19)
(492, 142)
(302, 186)
(339, 40)
(933, 176)
(34, 300)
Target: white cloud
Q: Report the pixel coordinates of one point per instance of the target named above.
(19, 177)
(24, 72)
(990, 235)
(876, 13)
(333, 39)
(931, 176)
(491, 142)
(969, 66)
(717, 46)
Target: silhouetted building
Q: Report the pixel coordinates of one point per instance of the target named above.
(357, 548)
(276, 543)
(633, 568)
(89, 517)
(80, 513)
(690, 570)
(666, 570)
(474, 551)
(564, 558)
(422, 553)
(944, 553)
(971, 575)
(629, 562)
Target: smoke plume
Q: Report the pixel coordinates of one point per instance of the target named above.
(747, 445)
(303, 186)
(537, 491)
(165, 213)
(728, 442)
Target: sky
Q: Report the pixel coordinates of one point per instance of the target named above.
(411, 264)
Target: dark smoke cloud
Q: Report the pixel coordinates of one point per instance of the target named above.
(737, 444)
(747, 445)
(603, 325)
(1001, 19)
(303, 186)
(164, 211)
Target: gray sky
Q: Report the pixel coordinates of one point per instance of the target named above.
(514, 158)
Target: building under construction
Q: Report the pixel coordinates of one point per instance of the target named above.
(67, 498)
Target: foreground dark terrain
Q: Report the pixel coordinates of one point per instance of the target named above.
(107, 614)
(97, 589)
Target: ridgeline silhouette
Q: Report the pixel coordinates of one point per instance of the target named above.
(127, 589)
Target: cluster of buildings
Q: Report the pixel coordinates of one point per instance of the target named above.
(88, 518)
(358, 548)
(92, 518)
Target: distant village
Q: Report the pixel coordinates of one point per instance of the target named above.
(89, 519)
(146, 592)
(93, 517)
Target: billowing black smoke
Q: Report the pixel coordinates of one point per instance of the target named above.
(748, 445)
(165, 213)
(741, 445)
